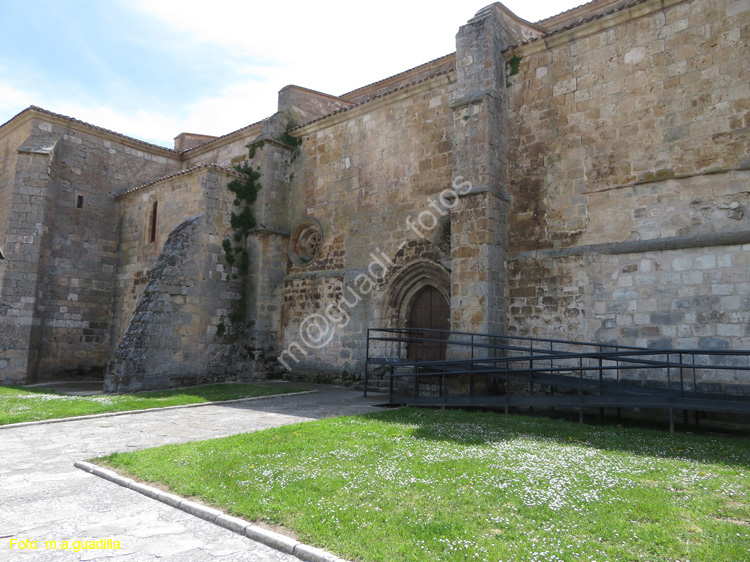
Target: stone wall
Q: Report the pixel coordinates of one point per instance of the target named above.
(180, 290)
(33, 184)
(61, 240)
(362, 175)
(225, 151)
(301, 105)
(480, 160)
(629, 174)
(80, 278)
(177, 197)
(9, 144)
(14, 328)
(267, 250)
(583, 178)
(682, 298)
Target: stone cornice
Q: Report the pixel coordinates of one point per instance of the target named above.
(365, 93)
(314, 92)
(484, 12)
(498, 192)
(589, 27)
(250, 131)
(268, 139)
(38, 145)
(656, 179)
(641, 246)
(322, 274)
(41, 114)
(264, 231)
(195, 169)
(373, 104)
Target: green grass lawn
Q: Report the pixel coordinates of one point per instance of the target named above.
(26, 404)
(429, 485)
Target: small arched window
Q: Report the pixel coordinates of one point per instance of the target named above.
(152, 233)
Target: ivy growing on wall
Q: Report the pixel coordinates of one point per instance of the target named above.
(243, 222)
(513, 67)
(245, 192)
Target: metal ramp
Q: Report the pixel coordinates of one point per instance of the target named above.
(492, 371)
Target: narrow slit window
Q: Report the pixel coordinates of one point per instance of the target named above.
(152, 234)
(79, 202)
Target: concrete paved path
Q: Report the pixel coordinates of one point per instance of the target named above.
(44, 498)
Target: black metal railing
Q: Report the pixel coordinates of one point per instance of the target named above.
(489, 370)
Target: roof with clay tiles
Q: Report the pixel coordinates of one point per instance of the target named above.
(36, 109)
(580, 15)
(445, 59)
(376, 96)
(223, 137)
(185, 172)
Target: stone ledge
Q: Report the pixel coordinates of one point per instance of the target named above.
(472, 99)
(640, 246)
(498, 192)
(373, 104)
(235, 524)
(587, 28)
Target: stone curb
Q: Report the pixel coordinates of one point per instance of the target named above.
(271, 539)
(127, 412)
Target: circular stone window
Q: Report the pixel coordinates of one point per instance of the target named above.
(306, 243)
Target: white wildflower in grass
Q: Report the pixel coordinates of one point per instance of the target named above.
(423, 485)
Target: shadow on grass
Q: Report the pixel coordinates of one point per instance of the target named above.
(209, 393)
(24, 404)
(29, 390)
(477, 428)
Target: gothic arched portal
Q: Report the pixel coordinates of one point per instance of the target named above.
(430, 310)
(419, 297)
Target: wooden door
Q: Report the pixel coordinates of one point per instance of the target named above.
(429, 310)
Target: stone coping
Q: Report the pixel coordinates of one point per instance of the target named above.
(72, 123)
(145, 410)
(269, 538)
(194, 169)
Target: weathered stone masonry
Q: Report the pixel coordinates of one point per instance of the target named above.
(60, 239)
(632, 155)
(583, 177)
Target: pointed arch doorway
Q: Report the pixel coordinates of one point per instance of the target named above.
(430, 310)
(419, 297)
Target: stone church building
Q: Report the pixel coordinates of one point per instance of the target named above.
(585, 177)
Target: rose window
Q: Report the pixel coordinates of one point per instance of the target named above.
(306, 243)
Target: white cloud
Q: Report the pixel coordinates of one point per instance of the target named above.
(13, 100)
(144, 125)
(333, 46)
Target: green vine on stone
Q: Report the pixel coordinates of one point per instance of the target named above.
(245, 192)
(255, 148)
(289, 139)
(514, 65)
(243, 222)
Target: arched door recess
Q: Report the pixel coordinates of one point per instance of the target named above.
(424, 282)
(429, 311)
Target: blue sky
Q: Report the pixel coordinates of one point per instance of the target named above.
(155, 68)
